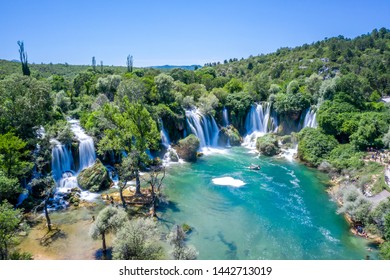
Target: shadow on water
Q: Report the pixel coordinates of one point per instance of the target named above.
(100, 256)
(231, 253)
(168, 205)
(52, 236)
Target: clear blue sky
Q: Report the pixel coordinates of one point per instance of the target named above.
(176, 32)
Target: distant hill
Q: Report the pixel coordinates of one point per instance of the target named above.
(169, 67)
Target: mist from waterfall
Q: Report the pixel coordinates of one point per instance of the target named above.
(204, 127)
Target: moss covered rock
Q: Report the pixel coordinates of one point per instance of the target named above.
(229, 135)
(187, 148)
(268, 145)
(94, 178)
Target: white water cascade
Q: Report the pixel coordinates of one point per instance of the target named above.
(87, 155)
(225, 117)
(259, 121)
(166, 142)
(204, 127)
(63, 168)
(310, 119)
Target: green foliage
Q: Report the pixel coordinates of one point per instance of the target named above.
(180, 250)
(354, 204)
(234, 85)
(137, 240)
(291, 103)
(387, 227)
(13, 155)
(10, 220)
(315, 146)
(370, 130)
(25, 104)
(238, 105)
(267, 145)
(109, 220)
(345, 156)
(164, 85)
(10, 188)
(133, 88)
(108, 85)
(141, 126)
(385, 251)
(207, 104)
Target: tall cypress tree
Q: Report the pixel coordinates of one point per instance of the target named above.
(23, 59)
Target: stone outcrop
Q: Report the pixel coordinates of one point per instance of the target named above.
(94, 178)
(187, 148)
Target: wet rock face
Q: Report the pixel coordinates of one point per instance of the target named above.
(94, 178)
(187, 148)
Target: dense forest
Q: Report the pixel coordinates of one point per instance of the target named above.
(343, 81)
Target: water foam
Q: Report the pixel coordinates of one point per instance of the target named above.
(228, 181)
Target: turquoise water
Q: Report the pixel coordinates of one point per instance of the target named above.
(282, 211)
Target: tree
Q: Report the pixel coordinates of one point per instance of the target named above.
(144, 130)
(126, 173)
(133, 88)
(94, 64)
(10, 188)
(129, 63)
(108, 85)
(156, 177)
(10, 220)
(180, 250)
(26, 103)
(46, 184)
(207, 104)
(315, 146)
(137, 240)
(164, 84)
(23, 59)
(13, 153)
(109, 220)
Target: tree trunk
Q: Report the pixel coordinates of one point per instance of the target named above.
(137, 184)
(104, 243)
(47, 216)
(153, 202)
(121, 195)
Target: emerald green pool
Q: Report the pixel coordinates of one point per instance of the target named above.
(282, 211)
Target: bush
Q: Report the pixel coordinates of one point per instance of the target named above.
(345, 157)
(315, 146)
(267, 145)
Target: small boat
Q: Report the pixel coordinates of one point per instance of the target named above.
(254, 167)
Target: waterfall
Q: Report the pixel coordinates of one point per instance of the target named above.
(63, 168)
(260, 120)
(204, 127)
(310, 119)
(164, 135)
(61, 159)
(225, 118)
(87, 155)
